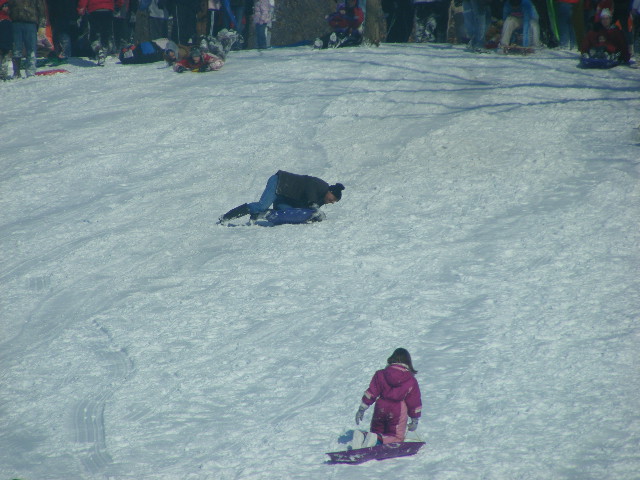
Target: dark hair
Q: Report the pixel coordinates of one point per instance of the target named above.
(401, 355)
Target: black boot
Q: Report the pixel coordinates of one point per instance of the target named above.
(16, 67)
(237, 212)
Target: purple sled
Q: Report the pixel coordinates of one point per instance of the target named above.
(379, 452)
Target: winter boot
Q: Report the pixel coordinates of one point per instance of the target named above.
(358, 439)
(370, 440)
(4, 71)
(102, 57)
(430, 29)
(16, 67)
(239, 211)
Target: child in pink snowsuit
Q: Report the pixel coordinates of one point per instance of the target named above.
(396, 393)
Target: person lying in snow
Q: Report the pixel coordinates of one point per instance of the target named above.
(396, 393)
(286, 190)
(198, 61)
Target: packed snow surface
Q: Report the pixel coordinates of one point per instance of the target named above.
(489, 225)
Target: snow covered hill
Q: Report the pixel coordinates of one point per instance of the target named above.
(489, 225)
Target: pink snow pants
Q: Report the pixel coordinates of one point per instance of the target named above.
(390, 420)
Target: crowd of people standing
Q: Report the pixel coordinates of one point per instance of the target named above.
(97, 28)
(555, 24)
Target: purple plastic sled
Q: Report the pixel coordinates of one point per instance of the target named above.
(379, 452)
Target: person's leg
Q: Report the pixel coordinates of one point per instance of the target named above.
(510, 24)
(469, 16)
(30, 40)
(261, 35)
(267, 198)
(396, 429)
(534, 26)
(18, 47)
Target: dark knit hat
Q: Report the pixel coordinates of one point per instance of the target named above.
(337, 190)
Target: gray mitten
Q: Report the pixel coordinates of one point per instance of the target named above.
(360, 414)
(413, 424)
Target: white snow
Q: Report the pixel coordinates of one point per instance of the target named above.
(489, 225)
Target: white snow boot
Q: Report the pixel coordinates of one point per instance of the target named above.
(363, 439)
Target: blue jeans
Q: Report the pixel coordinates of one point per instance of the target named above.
(261, 35)
(268, 198)
(565, 25)
(476, 19)
(25, 35)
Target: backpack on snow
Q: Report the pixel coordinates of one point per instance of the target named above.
(144, 52)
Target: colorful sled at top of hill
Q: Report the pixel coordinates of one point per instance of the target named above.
(379, 452)
(53, 71)
(294, 216)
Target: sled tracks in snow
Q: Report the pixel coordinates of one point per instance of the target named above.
(88, 414)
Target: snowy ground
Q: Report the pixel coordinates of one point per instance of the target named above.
(489, 225)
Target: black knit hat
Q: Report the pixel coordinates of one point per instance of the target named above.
(337, 190)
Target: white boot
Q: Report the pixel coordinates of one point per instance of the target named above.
(363, 439)
(370, 440)
(358, 439)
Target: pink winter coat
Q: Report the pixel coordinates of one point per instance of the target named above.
(396, 393)
(262, 12)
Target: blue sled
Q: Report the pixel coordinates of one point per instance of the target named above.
(601, 63)
(294, 216)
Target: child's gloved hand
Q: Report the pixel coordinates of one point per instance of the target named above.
(413, 424)
(360, 414)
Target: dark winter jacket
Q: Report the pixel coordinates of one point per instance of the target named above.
(6, 35)
(28, 11)
(62, 12)
(301, 191)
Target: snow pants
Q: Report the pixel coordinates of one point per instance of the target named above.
(101, 30)
(511, 24)
(390, 420)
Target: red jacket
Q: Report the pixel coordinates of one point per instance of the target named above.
(345, 19)
(90, 6)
